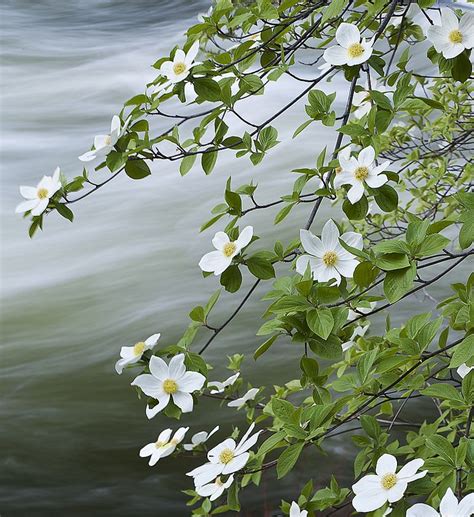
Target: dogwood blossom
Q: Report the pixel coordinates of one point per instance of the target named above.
(216, 488)
(448, 507)
(165, 382)
(164, 445)
(295, 510)
(199, 438)
(219, 387)
(103, 144)
(132, 354)
(241, 401)
(218, 261)
(37, 199)
(226, 458)
(178, 69)
(453, 36)
(326, 257)
(362, 99)
(360, 170)
(352, 50)
(463, 370)
(374, 490)
(359, 331)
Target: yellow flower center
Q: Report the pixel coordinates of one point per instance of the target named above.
(229, 249)
(361, 173)
(108, 140)
(170, 386)
(330, 258)
(43, 193)
(179, 68)
(159, 444)
(355, 50)
(138, 348)
(226, 456)
(455, 36)
(389, 481)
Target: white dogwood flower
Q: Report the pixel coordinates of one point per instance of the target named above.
(103, 144)
(359, 331)
(374, 490)
(37, 199)
(326, 257)
(216, 488)
(360, 170)
(199, 438)
(133, 354)
(352, 50)
(218, 261)
(164, 445)
(178, 69)
(463, 370)
(452, 37)
(362, 99)
(241, 401)
(296, 511)
(169, 381)
(226, 458)
(448, 507)
(219, 387)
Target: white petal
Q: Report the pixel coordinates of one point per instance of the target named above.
(148, 450)
(366, 156)
(158, 368)
(245, 436)
(207, 474)
(466, 26)
(323, 273)
(192, 52)
(191, 381)
(245, 237)
(363, 57)
(152, 340)
(449, 503)
(344, 178)
(25, 206)
(330, 235)
(40, 207)
(353, 239)
(115, 125)
(220, 240)
(336, 55)
(29, 192)
(421, 510)
(184, 401)
(176, 367)
(386, 464)
(376, 181)
(213, 454)
(449, 20)
(236, 463)
(163, 401)
(303, 261)
(101, 141)
(347, 34)
(463, 370)
(346, 267)
(215, 262)
(356, 192)
(466, 506)
(311, 243)
(149, 385)
(396, 493)
(410, 468)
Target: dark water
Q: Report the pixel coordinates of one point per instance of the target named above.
(70, 427)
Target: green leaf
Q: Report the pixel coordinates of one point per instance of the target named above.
(270, 442)
(208, 89)
(392, 261)
(283, 410)
(393, 246)
(432, 244)
(386, 198)
(197, 314)
(320, 321)
(463, 352)
(137, 169)
(186, 164)
(65, 211)
(208, 161)
(231, 279)
(260, 267)
(333, 9)
(399, 282)
(462, 69)
(265, 346)
(288, 459)
(443, 391)
(356, 211)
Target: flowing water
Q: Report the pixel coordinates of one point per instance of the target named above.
(127, 268)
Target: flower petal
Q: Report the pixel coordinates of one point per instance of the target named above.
(386, 464)
(376, 181)
(149, 385)
(176, 367)
(366, 156)
(25, 206)
(236, 463)
(353, 239)
(184, 401)
(191, 381)
(28, 192)
(347, 34)
(336, 55)
(311, 243)
(356, 192)
(396, 493)
(303, 261)
(410, 468)
(421, 510)
(40, 207)
(245, 237)
(215, 262)
(330, 235)
(220, 240)
(158, 368)
(163, 401)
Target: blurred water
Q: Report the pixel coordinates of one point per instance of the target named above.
(71, 297)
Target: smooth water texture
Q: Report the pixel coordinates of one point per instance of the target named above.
(127, 268)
